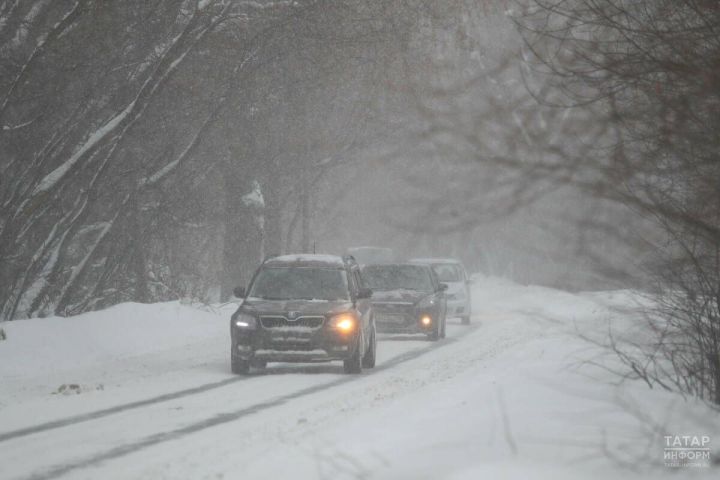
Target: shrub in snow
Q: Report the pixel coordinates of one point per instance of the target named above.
(76, 389)
(68, 389)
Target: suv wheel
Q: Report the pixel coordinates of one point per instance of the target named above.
(240, 367)
(368, 360)
(435, 334)
(255, 363)
(465, 319)
(354, 363)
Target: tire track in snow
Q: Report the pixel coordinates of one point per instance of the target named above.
(85, 417)
(216, 420)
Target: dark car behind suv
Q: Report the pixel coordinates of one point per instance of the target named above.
(407, 298)
(304, 308)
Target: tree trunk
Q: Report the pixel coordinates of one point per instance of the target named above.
(142, 294)
(272, 214)
(714, 360)
(242, 245)
(305, 220)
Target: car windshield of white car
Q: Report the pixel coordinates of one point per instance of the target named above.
(448, 272)
(300, 283)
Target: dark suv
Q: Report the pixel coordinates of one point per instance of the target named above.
(408, 298)
(304, 308)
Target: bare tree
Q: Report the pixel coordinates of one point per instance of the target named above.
(618, 103)
(128, 128)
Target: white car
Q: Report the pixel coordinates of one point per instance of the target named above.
(452, 272)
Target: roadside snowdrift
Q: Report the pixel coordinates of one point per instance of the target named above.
(57, 344)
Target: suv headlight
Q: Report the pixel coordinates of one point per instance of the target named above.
(245, 321)
(344, 322)
(425, 302)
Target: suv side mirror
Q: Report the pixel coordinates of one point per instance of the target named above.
(364, 292)
(442, 287)
(239, 292)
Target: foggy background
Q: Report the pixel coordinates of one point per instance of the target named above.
(159, 150)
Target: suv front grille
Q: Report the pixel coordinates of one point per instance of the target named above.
(279, 321)
(394, 308)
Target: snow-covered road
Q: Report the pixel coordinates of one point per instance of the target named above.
(496, 398)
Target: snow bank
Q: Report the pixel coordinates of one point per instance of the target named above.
(54, 344)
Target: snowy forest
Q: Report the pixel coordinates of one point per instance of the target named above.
(159, 149)
(152, 150)
(359, 239)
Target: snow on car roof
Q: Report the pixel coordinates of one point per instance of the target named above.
(435, 260)
(357, 249)
(308, 258)
(394, 264)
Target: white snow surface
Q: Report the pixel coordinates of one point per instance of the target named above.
(508, 397)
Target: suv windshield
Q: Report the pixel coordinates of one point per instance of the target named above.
(296, 283)
(448, 272)
(393, 277)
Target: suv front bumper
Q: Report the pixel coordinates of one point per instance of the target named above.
(293, 345)
(406, 322)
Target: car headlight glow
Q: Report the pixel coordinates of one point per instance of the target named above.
(245, 321)
(345, 322)
(426, 320)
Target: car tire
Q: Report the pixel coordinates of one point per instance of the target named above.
(240, 367)
(261, 364)
(354, 363)
(465, 319)
(368, 360)
(434, 336)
